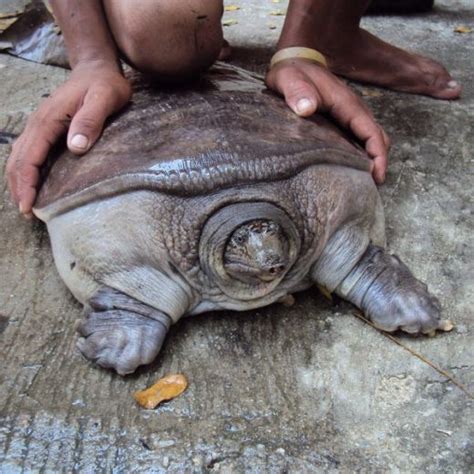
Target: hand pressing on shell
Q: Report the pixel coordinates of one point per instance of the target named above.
(94, 91)
(309, 88)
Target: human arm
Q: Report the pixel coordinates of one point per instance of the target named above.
(309, 87)
(95, 89)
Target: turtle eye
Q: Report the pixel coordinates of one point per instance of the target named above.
(240, 238)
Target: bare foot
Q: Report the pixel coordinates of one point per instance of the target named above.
(364, 57)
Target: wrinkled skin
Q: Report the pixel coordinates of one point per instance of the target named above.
(164, 218)
(149, 253)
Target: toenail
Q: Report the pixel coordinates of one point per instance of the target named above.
(303, 106)
(452, 84)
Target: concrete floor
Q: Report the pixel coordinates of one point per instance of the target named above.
(303, 389)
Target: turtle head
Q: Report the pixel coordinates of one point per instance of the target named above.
(257, 251)
(248, 248)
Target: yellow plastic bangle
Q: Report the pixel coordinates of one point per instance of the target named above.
(298, 52)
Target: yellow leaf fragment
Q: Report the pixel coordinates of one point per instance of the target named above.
(229, 22)
(463, 29)
(13, 14)
(325, 292)
(6, 22)
(276, 1)
(231, 8)
(167, 388)
(278, 12)
(47, 4)
(371, 93)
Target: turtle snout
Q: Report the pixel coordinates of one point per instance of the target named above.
(272, 269)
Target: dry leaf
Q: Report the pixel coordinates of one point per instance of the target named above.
(463, 29)
(5, 45)
(229, 22)
(371, 93)
(167, 388)
(325, 292)
(278, 13)
(231, 8)
(14, 14)
(275, 1)
(272, 27)
(6, 22)
(47, 4)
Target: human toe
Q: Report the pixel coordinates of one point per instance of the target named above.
(438, 81)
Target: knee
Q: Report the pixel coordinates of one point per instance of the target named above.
(170, 40)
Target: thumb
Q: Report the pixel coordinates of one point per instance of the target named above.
(88, 122)
(299, 92)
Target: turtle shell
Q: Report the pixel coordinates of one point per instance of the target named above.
(222, 131)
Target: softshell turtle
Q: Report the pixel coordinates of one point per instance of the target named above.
(216, 196)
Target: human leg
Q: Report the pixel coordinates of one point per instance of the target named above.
(165, 38)
(333, 27)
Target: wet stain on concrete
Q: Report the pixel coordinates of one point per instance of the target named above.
(4, 320)
(6, 138)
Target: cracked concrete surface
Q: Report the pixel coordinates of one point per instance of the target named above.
(308, 388)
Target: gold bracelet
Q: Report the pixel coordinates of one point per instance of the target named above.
(298, 52)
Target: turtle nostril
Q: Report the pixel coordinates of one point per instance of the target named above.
(276, 269)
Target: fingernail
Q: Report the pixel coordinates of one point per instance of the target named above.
(303, 106)
(452, 84)
(27, 215)
(79, 141)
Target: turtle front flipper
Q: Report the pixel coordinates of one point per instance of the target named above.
(120, 332)
(384, 288)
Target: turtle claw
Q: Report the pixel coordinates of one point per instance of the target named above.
(446, 325)
(287, 300)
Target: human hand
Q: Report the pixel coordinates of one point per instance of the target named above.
(309, 87)
(93, 91)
